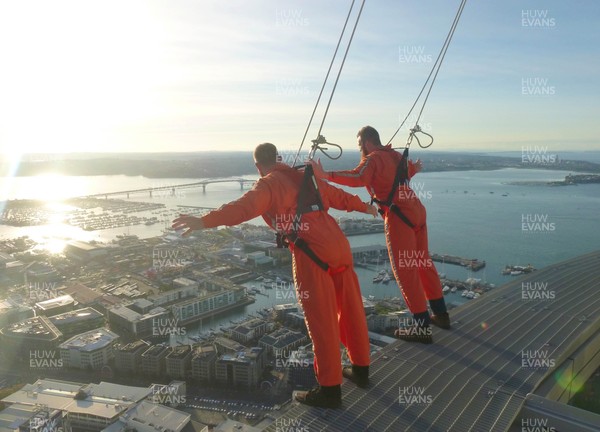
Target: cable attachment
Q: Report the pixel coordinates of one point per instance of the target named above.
(318, 145)
(413, 134)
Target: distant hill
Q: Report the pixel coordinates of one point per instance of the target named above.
(226, 164)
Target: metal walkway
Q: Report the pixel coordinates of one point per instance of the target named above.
(476, 376)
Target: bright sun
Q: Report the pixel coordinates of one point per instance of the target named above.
(75, 74)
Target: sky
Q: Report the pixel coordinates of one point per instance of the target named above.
(183, 75)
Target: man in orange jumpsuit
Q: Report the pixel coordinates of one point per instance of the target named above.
(405, 232)
(331, 297)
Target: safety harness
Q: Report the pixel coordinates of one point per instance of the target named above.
(400, 179)
(309, 200)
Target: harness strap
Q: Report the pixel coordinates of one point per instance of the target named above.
(304, 247)
(401, 215)
(309, 200)
(401, 178)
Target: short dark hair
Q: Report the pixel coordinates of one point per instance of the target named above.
(265, 154)
(369, 133)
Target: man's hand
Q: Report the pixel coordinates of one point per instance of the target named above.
(372, 210)
(190, 222)
(318, 169)
(418, 164)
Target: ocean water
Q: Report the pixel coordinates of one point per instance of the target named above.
(475, 214)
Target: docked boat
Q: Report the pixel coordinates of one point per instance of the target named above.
(386, 278)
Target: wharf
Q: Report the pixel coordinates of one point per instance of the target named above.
(471, 263)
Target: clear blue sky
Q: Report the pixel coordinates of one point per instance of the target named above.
(225, 75)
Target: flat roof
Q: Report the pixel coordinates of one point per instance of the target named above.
(90, 340)
(132, 346)
(38, 327)
(75, 316)
(105, 400)
(180, 351)
(62, 300)
(152, 416)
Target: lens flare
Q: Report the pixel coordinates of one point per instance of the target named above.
(567, 381)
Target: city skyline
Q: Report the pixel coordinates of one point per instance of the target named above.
(147, 77)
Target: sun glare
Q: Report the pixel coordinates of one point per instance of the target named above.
(81, 73)
(56, 187)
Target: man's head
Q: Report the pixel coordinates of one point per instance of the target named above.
(265, 157)
(368, 139)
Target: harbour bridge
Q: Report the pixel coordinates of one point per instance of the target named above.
(173, 188)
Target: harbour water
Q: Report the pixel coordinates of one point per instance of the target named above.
(473, 214)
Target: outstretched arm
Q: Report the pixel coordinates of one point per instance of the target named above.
(252, 204)
(342, 200)
(359, 176)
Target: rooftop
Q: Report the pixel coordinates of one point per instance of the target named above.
(132, 346)
(55, 302)
(104, 400)
(247, 356)
(149, 416)
(91, 340)
(75, 316)
(477, 376)
(38, 327)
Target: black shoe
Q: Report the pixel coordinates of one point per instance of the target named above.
(415, 334)
(441, 320)
(359, 375)
(322, 397)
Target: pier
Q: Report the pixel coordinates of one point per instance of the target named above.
(364, 255)
(471, 263)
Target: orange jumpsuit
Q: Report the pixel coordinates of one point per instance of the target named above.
(332, 303)
(407, 247)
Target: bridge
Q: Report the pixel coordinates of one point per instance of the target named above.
(512, 360)
(173, 188)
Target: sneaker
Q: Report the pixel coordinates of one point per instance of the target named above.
(321, 396)
(359, 375)
(415, 334)
(441, 320)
